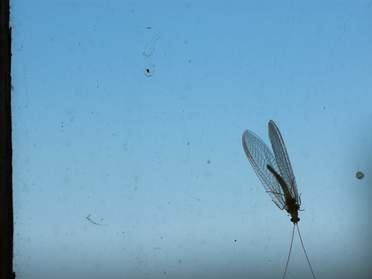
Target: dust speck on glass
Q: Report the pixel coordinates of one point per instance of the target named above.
(359, 175)
(148, 72)
(127, 124)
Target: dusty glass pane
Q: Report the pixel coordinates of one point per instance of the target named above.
(128, 118)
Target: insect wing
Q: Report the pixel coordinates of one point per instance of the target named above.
(282, 159)
(259, 155)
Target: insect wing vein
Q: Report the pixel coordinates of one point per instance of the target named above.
(259, 155)
(282, 159)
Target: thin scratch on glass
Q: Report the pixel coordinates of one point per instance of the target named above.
(92, 221)
(151, 46)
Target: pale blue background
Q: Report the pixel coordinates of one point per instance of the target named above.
(157, 161)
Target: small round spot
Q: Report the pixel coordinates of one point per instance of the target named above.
(148, 72)
(359, 175)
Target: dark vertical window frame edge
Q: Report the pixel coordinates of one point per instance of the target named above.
(6, 191)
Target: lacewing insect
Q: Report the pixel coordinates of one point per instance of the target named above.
(276, 175)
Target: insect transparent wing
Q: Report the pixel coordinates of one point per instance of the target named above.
(259, 155)
(282, 159)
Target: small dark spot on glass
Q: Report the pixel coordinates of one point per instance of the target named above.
(359, 175)
(234, 240)
(148, 72)
(208, 162)
(148, 27)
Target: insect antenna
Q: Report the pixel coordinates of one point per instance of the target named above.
(289, 253)
(303, 247)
